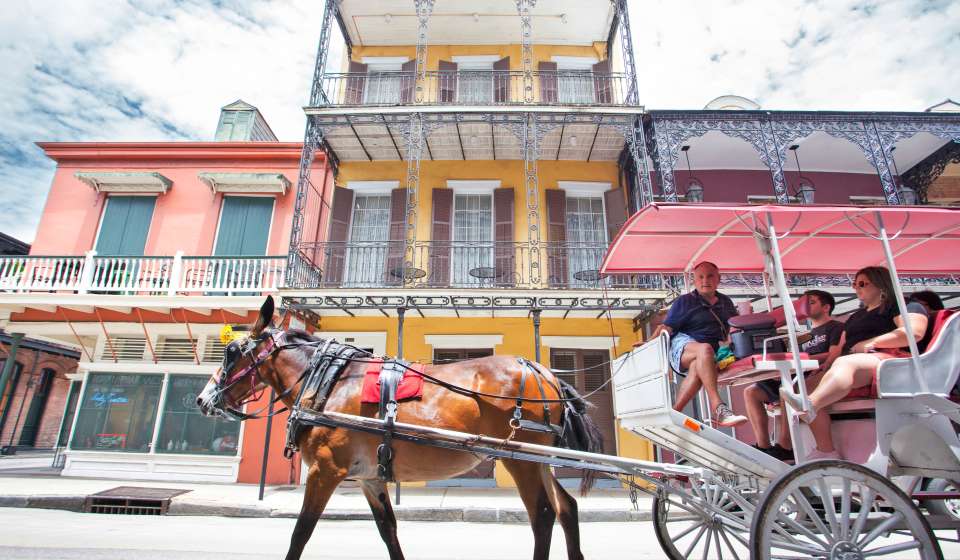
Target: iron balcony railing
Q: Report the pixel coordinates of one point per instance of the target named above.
(166, 275)
(477, 87)
(463, 264)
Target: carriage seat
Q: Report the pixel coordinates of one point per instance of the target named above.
(940, 364)
(755, 328)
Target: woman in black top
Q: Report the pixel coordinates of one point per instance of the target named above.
(874, 333)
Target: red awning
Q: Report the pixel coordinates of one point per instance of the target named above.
(674, 237)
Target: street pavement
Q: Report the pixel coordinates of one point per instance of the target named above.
(62, 535)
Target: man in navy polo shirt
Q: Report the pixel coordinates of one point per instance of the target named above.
(697, 323)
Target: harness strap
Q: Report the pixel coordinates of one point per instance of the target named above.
(390, 376)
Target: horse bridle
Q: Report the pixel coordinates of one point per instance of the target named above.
(226, 381)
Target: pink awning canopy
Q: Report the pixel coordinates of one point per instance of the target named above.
(674, 237)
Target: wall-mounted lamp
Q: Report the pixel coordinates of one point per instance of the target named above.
(694, 186)
(806, 190)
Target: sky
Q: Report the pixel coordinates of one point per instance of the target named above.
(159, 70)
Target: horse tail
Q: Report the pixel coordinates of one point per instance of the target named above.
(580, 432)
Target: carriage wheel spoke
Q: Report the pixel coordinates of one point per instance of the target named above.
(815, 552)
(696, 539)
(809, 511)
(686, 531)
(865, 506)
(880, 529)
(716, 540)
(845, 510)
(804, 531)
(828, 506)
(892, 548)
(706, 545)
(729, 546)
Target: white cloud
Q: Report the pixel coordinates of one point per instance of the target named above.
(88, 70)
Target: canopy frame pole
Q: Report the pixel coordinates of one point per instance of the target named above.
(766, 291)
(901, 304)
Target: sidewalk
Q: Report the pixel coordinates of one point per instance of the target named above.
(348, 503)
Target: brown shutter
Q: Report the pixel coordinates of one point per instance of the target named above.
(501, 80)
(616, 209)
(339, 233)
(408, 81)
(355, 83)
(440, 236)
(393, 272)
(448, 82)
(505, 264)
(557, 231)
(602, 87)
(548, 82)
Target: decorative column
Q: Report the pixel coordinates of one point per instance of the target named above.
(424, 10)
(317, 95)
(526, 46)
(629, 65)
(413, 135)
(531, 152)
(774, 160)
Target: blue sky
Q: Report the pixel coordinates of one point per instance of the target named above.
(150, 70)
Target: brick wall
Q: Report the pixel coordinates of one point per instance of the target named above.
(34, 362)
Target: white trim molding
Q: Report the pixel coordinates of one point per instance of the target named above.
(384, 63)
(450, 341)
(476, 62)
(581, 342)
(142, 182)
(574, 62)
(473, 186)
(584, 188)
(373, 187)
(270, 183)
(376, 339)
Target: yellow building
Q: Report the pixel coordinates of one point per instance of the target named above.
(485, 155)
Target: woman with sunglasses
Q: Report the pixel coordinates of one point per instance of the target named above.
(874, 333)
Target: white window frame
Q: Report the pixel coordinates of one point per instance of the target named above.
(382, 65)
(475, 63)
(471, 187)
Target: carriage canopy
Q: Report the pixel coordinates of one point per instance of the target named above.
(813, 239)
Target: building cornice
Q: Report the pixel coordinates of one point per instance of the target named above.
(167, 151)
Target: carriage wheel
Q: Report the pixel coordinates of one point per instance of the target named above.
(839, 511)
(702, 521)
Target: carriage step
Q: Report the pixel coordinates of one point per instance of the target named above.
(131, 500)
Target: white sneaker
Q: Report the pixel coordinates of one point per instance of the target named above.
(723, 417)
(817, 455)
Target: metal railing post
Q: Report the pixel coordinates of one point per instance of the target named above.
(176, 271)
(86, 273)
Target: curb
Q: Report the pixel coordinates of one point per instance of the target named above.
(463, 515)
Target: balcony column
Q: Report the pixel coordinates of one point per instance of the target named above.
(889, 133)
(531, 152)
(8, 365)
(413, 134)
(661, 143)
(636, 144)
(526, 46)
(536, 334)
(774, 160)
(317, 95)
(312, 140)
(629, 65)
(424, 10)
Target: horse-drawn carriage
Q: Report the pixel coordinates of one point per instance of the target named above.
(719, 497)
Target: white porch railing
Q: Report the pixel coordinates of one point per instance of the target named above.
(167, 275)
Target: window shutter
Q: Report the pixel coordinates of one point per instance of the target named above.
(603, 88)
(339, 232)
(557, 232)
(501, 80)
(616, 209)
(125, 224)
(548, 82)
(398, 236)
(408, 81)
(448, 82)
(440, 236)
(504, 252)
(355, 83)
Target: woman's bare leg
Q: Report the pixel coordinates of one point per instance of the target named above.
(847, 373)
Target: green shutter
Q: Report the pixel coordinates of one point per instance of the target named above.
(244, 226)
(125, 224)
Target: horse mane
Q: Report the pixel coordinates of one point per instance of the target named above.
(300, 335)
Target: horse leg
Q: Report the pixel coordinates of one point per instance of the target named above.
(565, 507)
(319, 488)
(379, 500)
(541, 514)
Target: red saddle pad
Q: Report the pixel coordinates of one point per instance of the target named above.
(411, 386)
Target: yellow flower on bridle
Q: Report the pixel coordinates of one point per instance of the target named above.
(228, 335)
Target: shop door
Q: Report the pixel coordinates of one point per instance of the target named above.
(588, 370)
(449, 355)
(28, 436)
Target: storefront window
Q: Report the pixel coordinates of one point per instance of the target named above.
(117, 412)
(184, 429)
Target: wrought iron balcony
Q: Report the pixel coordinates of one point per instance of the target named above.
(146, 275)
(476, 88)
(462, 264)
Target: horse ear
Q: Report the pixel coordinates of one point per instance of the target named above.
(266, 317)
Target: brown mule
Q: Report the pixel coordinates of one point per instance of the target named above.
(335, 454)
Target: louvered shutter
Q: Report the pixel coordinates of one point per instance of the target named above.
(339, 232)
(505, 261)
(603, 88)
(548, 81)
(398, 235)
(616, 209)
(408, 81)
(501, 80)
(440, 236)
(448, 82)
(557, 232)
(355, 83)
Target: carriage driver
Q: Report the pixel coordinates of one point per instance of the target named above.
(697, 323)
